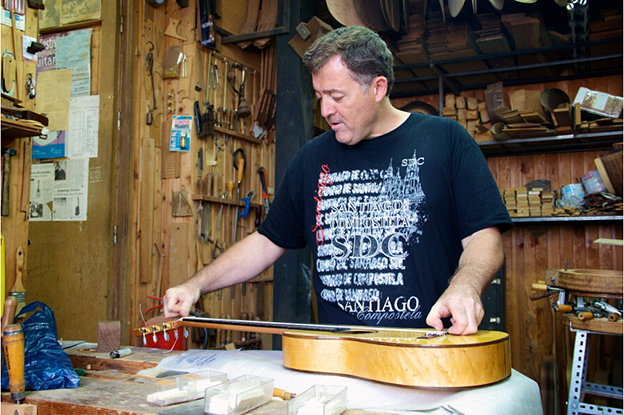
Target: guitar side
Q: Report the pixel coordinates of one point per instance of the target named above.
(403, 357)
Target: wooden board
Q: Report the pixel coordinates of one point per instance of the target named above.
(599, 325)
(178, 253)
(146, 216)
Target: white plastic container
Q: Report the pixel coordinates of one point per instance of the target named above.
(238, 396)
(573, 195)
(181, 388)
(592, 182)
(320, 400)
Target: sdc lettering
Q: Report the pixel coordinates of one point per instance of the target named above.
(367, 246)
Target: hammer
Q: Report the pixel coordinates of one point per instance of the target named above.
(6, 172)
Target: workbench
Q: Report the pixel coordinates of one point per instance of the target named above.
(115, 386)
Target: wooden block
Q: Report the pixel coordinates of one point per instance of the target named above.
(172, 164)
(21, 409)
(178, 253)
(109, 336)
(461, 114)
(484, 115)
(562, 116)
(471, 127)
(472, 115)
(577, 116)
(460, 102)
(471, 103)
(449, 101)
(449, 111)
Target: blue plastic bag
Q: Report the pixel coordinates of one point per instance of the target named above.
(46, 365)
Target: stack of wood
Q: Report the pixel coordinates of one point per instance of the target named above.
(524, 29)
(608, 25)
(437, 30)
(526, 118)
(471, 113)
(447, 42)
(411, 45)
(548, 202)
(521, 202)
(491, 40)
(529, 32)
(410, 50)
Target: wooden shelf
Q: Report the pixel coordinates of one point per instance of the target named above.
(554, 144)
(598, 325)
(13, 129)
(586, 218)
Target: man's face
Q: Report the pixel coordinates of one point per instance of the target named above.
(349, 108)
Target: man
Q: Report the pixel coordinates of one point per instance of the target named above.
(393, 203)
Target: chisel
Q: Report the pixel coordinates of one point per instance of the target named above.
(240, 167)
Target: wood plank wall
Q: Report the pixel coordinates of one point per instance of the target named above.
(15, 225)
(530, 249)
(164, 249)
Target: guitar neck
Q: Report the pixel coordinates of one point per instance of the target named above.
(242, 325)
(257, 325)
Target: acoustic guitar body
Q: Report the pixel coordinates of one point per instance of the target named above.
(402, 356)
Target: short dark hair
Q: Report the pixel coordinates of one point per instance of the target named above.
(363, 52)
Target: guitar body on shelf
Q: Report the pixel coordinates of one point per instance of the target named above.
(420, 358)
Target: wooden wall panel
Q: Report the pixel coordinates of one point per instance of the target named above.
(182, 92)
(15, 225)
(70, 266)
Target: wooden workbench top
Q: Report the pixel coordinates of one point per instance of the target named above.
(112, 386)
(98, 394)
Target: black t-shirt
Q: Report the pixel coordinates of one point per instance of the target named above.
(385, 218)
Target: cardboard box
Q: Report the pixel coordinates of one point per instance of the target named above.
(307, 33)
(599, 103)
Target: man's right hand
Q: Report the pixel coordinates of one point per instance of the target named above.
(178, 300)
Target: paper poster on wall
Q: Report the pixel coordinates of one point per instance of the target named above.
(71, 189)
(53, 95)
(73, 11)
(51, 15)
(63, 12)
(41, 192)
(68, 50)
(49, 146)
(181, 129)
(84, 119)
